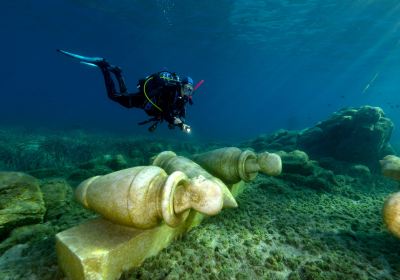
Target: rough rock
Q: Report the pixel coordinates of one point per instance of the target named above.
(115, 162)
(357, 136)
(21, 201)
(57, 195)
(297, 162)
(303, 172)
(281, 140)
(25, 234)
(359, 171)
(78, 175)
(354, 135)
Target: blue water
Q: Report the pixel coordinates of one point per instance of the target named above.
(266, 64)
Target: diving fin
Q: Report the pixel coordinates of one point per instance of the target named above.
(92, 61)
(89, 64)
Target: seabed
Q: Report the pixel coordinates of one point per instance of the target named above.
(319, 225)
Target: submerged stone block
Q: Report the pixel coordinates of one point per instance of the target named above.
(100, 249)
(144, 208)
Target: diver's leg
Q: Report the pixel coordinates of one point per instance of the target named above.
(137, 100)
(110, 87)
(132, 100)
(128, 100)
(117, 71)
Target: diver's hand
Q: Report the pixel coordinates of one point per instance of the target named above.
(186, 128)
(177, 121)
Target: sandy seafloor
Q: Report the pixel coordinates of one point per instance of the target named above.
(282, 229)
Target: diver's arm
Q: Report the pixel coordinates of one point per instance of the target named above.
(182, 112)
(180, 122)
(170, 119)
(182, 115)
(167, 97)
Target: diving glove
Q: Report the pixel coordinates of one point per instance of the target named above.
(186, 128)
(177, 121)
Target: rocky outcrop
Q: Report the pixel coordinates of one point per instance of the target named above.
(301, 171)
(25, 234)
(114, 162)
(57, 195)
(281, 140)
(21, 201)
(355, 135)
(352, 135)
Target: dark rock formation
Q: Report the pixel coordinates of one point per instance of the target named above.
(25, 234)
(301, 171)
(57, 195)
(281, 140)
(115, 162)
(359, 136)
(21, 201)
(354, 135)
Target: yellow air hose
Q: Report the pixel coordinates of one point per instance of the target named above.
(145, 94)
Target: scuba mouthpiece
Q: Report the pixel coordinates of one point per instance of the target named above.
(198, 85)
(194, 89)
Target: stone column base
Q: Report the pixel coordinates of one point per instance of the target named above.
(99, 249)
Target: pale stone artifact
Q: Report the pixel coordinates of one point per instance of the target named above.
(171, 162)
(391, 210)
(144, 208)
(391, 167)
(391, 214)
(232, 165)
(143, 196)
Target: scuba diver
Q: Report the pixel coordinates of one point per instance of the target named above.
(162, 95)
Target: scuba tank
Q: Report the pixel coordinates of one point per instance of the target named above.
(159, 79)
(148, 85)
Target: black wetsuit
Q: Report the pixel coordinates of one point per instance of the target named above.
(160, 98)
